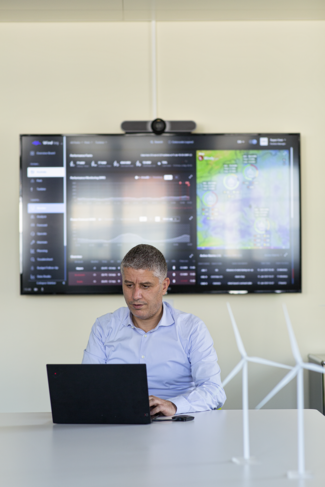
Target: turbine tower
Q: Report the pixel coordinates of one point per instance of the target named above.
(298, 371)
(243, 365)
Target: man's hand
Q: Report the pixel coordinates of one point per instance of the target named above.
(161, 406)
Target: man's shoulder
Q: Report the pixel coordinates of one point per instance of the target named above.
(105, 324)
(111, 320)
(184, 320)
(191, 330)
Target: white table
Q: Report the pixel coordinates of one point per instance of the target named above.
(36, 453)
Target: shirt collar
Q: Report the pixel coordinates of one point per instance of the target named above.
(166, 319)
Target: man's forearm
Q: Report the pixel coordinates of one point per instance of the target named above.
(206, 397)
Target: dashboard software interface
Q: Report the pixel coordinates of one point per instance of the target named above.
(223, 209)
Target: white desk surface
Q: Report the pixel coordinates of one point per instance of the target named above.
(36, 453)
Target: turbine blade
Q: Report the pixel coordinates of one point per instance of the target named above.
(278, 387)
(314, 367)
(293, 342)
(234, 372)
(239, 341)
(264, 361)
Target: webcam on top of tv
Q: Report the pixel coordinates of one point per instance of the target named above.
(158, 126)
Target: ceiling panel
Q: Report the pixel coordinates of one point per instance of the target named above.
(161, 10)
(54, 5)
(210, 5)
(61, 16)
(222, 15)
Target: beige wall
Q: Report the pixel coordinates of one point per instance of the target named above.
(228, 77)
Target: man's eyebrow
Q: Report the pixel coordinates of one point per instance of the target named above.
(147, 283)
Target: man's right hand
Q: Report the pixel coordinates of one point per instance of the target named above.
(161, 406)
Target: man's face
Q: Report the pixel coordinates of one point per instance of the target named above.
(143, 292)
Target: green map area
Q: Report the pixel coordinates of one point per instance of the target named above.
(243, 199)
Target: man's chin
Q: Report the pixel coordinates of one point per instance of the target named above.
(141, 310)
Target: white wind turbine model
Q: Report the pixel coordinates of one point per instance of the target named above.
(243, 365)
(298, 371)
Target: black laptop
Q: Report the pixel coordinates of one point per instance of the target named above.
(99, 394)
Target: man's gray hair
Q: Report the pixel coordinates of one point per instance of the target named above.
(146, 257)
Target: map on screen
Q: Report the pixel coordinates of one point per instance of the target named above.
(243, 199)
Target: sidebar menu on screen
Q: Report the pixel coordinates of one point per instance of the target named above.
(43, 213)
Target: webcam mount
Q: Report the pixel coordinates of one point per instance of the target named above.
(158, 126)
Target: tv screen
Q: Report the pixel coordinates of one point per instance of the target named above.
(223, 208)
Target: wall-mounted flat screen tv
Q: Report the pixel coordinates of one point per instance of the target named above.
(223, 208)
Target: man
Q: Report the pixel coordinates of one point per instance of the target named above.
(182, 368)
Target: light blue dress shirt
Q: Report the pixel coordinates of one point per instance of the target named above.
(181, 362)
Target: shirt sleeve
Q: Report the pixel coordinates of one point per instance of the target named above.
(95, 351)
(208, 392)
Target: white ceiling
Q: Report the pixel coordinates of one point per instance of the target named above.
(160, 10)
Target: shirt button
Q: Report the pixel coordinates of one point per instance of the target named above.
(142, 356)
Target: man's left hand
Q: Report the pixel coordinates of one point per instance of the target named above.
(161, 406)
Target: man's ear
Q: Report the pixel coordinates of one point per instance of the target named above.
(166, 283)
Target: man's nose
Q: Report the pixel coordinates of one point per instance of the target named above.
(137, 293)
